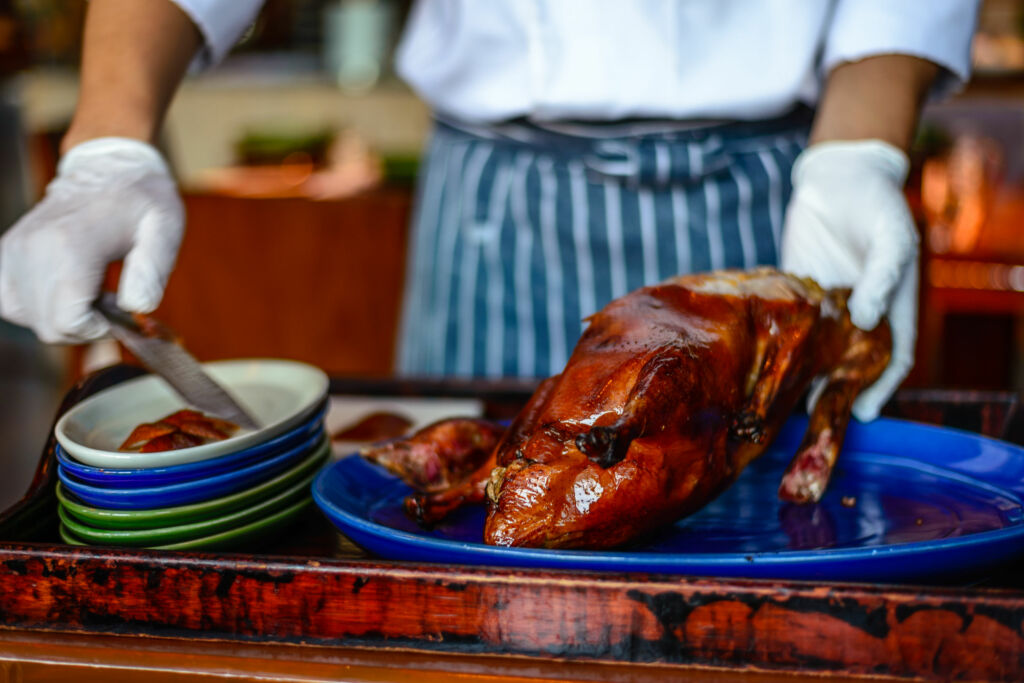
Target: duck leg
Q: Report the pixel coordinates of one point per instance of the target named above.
(808, 473)
(440, 455)
(429, 506)
(428, 509)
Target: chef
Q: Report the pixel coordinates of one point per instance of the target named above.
(582, 148)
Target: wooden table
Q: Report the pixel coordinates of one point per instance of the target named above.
(59, 657)
(313, 607)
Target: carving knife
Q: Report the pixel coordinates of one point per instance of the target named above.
(155, 345)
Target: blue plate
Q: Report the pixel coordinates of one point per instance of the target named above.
(183, 493)
(929, 503)
(153, 476)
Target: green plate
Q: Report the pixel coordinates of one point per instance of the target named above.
(159, 518)
(185, 532)
(232, 538)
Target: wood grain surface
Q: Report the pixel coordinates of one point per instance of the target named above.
(782, 626)
(311, 595)
(60, 657)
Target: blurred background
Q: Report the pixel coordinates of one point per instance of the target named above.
(305, 130)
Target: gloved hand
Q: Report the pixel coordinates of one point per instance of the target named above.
(848, 225)
(112, 198)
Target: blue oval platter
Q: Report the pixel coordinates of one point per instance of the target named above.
(923, 503)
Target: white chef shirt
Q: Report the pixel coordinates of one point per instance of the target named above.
(491, 60)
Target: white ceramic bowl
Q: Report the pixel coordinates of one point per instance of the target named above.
(278, 393)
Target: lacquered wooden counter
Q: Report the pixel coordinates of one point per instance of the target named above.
(312, 607)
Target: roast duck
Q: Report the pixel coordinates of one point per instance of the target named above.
(671, 391)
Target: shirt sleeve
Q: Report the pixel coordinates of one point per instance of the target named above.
(937, 30)
(221, 23)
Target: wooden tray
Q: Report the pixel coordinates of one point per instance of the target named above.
(316, 589)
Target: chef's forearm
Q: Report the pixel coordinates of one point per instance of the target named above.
(875, 98)
(134, 55)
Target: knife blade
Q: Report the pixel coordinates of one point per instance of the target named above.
(155, 345)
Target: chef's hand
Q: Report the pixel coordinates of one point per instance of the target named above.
(848, 225)
(112, 198)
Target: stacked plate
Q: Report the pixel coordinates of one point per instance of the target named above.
(233, 493)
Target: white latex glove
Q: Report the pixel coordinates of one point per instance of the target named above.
(848, 225)
(112, 198)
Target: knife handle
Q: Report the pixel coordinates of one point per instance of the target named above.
(107, 306)
(144, 325)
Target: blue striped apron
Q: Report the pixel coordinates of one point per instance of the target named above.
(521, 232)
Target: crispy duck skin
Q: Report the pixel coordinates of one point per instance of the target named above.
(169, 442)
(184, 417)
(202, 429)
(672, 390)
(181, 429)
(147, 431)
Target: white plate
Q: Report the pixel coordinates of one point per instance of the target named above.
(278, 393)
